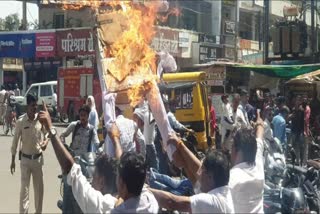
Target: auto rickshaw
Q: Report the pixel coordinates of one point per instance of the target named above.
(189, 91)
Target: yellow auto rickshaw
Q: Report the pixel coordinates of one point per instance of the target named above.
(189, 91)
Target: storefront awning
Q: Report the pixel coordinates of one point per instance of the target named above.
(306, 78)
(176, 85)
(279, 71)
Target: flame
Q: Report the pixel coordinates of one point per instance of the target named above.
(131, 51)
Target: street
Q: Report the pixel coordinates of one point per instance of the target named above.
(10, 184)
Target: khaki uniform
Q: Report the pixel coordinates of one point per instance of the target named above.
(31, 134)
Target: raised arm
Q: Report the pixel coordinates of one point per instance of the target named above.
(172, 202)
(114, 135)
(189, 161)
(64, 157)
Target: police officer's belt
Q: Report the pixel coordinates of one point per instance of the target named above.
(32, 157)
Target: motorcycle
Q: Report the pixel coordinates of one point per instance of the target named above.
(279, 196)
(275, 163)
(87, 163)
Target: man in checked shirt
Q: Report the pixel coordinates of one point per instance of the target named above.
(33, 143)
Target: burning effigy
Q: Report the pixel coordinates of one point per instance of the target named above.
(126, 62)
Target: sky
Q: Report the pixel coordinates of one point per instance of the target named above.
(11, 6)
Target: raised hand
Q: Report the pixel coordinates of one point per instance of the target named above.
(44, 117)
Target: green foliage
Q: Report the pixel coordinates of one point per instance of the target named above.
(13, 23)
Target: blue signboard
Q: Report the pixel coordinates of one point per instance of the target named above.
(17, 45)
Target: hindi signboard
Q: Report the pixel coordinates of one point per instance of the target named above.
(75, 42)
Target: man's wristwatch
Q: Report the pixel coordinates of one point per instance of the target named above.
(52, 132)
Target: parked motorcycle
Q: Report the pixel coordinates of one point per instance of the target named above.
(279, 196)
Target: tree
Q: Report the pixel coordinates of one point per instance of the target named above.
(12, 22)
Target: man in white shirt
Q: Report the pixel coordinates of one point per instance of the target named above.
(213, 178)
(242, 115)
(97, 198)
(226, 118)
(247, 174)
(131, 138)
(3, 105)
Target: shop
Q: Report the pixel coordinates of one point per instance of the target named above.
(41, 69)
(12, 72)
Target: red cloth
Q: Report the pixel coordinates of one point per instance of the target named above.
(213, 121)
(307, 113)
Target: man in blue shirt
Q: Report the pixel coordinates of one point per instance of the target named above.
(279, 126)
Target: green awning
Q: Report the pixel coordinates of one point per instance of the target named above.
(176, 85)
(280, 71)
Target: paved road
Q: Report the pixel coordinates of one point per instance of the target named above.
(10, 185)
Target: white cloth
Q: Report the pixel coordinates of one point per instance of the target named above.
(109, 118)
(109, 108)
(218, 200)
(89, 199)
(268, 133)
(167, 63)
(145, 203)
(160, 115)
(149, 123)
(247, 183)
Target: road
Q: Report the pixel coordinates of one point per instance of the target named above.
(10, 184)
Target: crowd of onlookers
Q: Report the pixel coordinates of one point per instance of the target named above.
(294, 120)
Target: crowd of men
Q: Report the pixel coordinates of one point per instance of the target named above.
(132, 178)
(293, 120)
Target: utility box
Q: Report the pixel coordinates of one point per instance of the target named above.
(289, 37)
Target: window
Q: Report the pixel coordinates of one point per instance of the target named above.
(54, 88)
(45, 91)
(58, 21)
(184, 98)
(34, 90)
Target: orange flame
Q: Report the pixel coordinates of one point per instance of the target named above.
(131, 51)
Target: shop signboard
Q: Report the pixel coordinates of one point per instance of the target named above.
(166, 40)
(41, 63)
(184, 40)
(45, 44)
(217, 73)
(17, 45)
(75, 42)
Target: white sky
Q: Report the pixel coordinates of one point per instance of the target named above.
(11, 6)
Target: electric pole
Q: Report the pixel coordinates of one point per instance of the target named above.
(236, 27)
(266, 31)
(24, 15)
